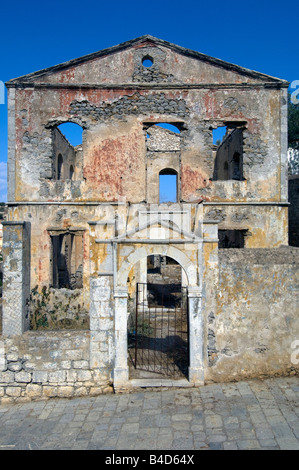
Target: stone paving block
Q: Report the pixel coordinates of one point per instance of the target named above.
(287, 443)
(129, 421)
(248, 444)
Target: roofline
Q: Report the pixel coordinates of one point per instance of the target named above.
(133, 42)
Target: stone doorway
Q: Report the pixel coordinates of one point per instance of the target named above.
(158, 336)
(132, 267)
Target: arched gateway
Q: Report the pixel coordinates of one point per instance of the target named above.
(121, 257)
(158, 336)
(193, 299)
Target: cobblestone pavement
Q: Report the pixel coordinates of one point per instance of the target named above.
(255, 414)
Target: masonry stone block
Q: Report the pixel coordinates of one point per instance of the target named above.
(16, 280)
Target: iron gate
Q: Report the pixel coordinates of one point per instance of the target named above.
(158, 334)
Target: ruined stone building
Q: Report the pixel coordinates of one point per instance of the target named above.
(92, 228)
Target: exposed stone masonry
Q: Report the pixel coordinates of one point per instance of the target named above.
(129, 105)
(44, 365)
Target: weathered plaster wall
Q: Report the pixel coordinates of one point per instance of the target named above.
(169, 65)
(256, 319)
(266, 224)
(114, 143)
(118, 160)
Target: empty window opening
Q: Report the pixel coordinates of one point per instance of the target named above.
(168, 186)
(67, 261)
(219, 134)
(169, 126)
(228, 154)
(67, 148)
(232, 238)
(163, 137)
(72, 132)
(153, 128)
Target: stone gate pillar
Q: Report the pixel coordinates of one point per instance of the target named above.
(16, 277)
(101, 324)
(196, 365)
(121, 370)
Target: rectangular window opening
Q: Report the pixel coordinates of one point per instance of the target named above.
(67, 261)
(228, 149)
(231, 238)
(167, 187)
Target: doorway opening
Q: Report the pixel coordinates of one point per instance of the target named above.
(158, 333)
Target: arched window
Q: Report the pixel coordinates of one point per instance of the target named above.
(72, 132)
(167, 125)
(168, 185)
(67, 148)
(59, 167)
(236, 167)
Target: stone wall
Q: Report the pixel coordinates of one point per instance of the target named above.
(39, 365)
(256, 321)
(16, 279)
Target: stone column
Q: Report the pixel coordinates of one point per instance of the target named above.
(196, 365)
(143, 279)
(16, 277)
(211, 290)
(184, 278)
(121, 370)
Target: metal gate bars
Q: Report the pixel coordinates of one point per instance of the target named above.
(158, 335)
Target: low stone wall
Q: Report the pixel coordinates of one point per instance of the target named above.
(41, 365)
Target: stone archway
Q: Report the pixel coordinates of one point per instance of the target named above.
(121, 371)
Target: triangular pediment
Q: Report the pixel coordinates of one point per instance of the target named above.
(123, 64)
(159, 230)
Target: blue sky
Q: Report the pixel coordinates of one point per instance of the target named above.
(259, 35)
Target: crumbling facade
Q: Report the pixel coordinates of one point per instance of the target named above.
(84, 219)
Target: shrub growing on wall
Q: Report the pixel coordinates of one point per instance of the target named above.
(56, 309)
